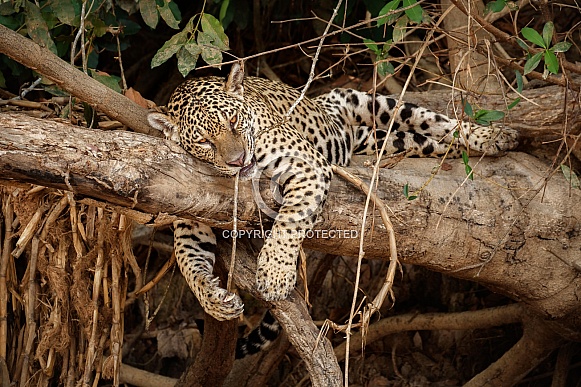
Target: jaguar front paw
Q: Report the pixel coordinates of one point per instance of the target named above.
(275, 285)
(220, 303)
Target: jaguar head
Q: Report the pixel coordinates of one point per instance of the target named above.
(209, 119)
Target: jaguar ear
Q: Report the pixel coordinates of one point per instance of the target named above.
(164, 124)
(235, 79)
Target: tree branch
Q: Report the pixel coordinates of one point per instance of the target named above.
(73, 81)
(454, 227)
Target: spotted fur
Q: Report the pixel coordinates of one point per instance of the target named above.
(238, 125)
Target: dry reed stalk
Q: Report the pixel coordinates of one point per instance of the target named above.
(30, 303)
(8, 214)
(125, 229)
(117, 322)
(74, 227)
(28, 232)
(90, 357)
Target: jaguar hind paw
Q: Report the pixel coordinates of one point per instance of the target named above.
(221, 304)
(494, 139)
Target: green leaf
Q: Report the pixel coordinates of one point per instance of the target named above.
(384, 68)
(551, 62)
(187, 60)
(519, 86)
(513, 103)
(169, 48)
(533, 62)
(98, 26)
(37, 28)
(110, 81)
(494, 6)
(467, 167)
(522, 44)
(210, 54)
(168, 16)
(175, 10)
(548, 31)
(399, 28)
(561, 47)
(519, 81)
(12, 22)
(571, 177)
(212, 27)
(406, 193)
(7, 9)
(372, 46)
(65, 12)
(415, 13)
(533, 37)
(149, 12)
(468, 109)
(129, 27)
(485, 117)
(223, 10)
(389, 7)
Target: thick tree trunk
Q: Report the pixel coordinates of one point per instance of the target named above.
(512, 228)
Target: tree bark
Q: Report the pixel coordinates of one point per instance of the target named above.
(216, 356)
(512, 229)
(470, 70)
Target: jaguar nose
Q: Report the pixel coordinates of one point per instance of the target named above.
(238, 162)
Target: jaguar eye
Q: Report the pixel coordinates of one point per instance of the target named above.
(203, 142)
(233, 121)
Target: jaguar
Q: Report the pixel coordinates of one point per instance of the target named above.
(253, 126)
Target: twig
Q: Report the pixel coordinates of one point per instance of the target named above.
(315, 60)
(258, 34)
(166, 266)
(28, 89)
(494, 16)
(234, 233)
(562, 365)
(123, 80)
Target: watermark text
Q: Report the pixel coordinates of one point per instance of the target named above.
(292, 234)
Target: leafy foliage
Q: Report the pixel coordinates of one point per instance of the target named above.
(55, 23)
(208, 41)
(551, 64)
(483, 116)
